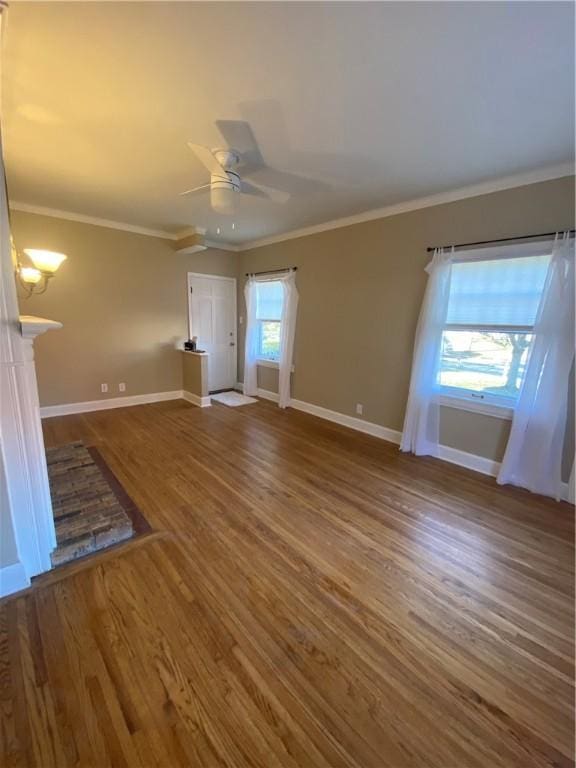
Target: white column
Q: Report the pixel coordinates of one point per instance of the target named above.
(26, 521)
(24, 458)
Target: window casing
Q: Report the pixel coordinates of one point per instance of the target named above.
(488, 333)
(269, 303)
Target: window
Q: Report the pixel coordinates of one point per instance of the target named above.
(492, 308)
(269, 300)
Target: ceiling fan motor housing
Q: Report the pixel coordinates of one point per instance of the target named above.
(222, 188)
(229, 180)
(227, 158)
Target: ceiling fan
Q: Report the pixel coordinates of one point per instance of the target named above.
(225, 182)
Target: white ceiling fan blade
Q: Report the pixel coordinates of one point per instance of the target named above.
(195, 189)
(207, 158)
(251, 189)
(261, 190)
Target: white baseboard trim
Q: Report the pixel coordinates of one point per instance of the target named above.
(47, 411)
(452, 455)
(201, 402)
(12, 579)
(391, 435)
(468, 460)
(446, 453)
(267, 395)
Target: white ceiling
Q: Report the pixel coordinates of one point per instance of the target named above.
(352, 106)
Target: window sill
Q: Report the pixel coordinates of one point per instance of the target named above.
(477, 406)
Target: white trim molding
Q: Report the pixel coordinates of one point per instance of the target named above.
(368, 427)
(26, 505)
(468, 460)
(451, 196)
(473, 190)
(445, 452)
(55, 213)
(123, 226)
(87, 406)
(201, 402)
(265, 394)
(477, 406)
(13, 578)
(47, 411)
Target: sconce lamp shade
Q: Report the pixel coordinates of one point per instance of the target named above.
(30, 275)
(45, 261)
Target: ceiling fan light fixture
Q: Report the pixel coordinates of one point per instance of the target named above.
(222, 198)
(225, 182)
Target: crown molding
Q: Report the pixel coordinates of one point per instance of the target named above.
(462, 193)
(474, 190)
(123, 226)
(83, 219)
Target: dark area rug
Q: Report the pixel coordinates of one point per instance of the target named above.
(92, 510)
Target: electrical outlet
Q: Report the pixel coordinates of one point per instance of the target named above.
(103, 387)
(359, 409)
(122, 387)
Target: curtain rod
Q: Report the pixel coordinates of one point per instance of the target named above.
(271, 271)
(501, 240)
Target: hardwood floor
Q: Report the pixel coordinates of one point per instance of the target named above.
(313, 598)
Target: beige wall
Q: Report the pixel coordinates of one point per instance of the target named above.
(361, 288)
(195, 373)
(122, 298)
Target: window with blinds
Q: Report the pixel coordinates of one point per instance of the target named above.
(486, 341)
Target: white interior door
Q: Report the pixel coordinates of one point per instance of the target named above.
(212, 308)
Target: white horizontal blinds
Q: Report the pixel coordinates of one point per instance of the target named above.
(497, 292)
(269, 298)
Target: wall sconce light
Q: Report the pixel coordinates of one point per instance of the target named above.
(35, 279)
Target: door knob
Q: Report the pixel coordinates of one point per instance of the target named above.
(232, 344)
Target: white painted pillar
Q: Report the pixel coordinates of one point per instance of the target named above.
(26, 521)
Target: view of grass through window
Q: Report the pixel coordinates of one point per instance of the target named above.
(269, 346)
(484, 361)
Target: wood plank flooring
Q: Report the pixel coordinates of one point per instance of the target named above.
(314, 599)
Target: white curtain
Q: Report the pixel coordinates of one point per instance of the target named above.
(251, 342)
(287, 330)
(533, 457)
(421, 423)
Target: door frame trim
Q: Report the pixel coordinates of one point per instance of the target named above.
(189, 309)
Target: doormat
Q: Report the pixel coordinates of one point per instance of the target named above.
(233, 399)
(92, 511)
